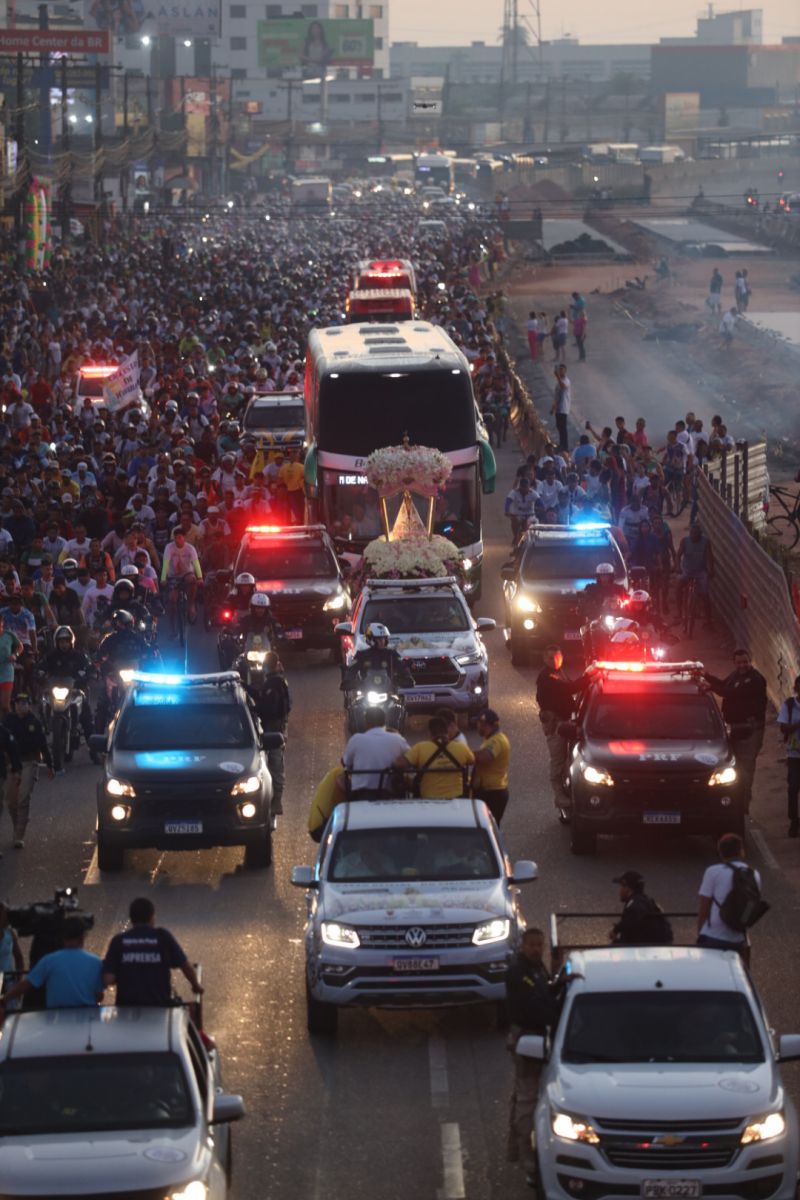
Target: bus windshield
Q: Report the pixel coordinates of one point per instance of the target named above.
(350, 508)
(360, 411)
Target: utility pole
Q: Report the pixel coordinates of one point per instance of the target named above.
(214, 142)
(124, 170)
(546, 131)
(527, 125)
(588, 108)
(288, 157)
(45, 131)
(99, 178)
(66, 185)
(22, 162)
(379, 130)
(564, 127)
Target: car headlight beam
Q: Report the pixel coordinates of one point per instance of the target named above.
(722, 777)
(488, 932)
(196, 1190)
(246, 786)
(527, 604)
(596, 778)
(377, 697)
(341, 936)
(573, 1129)
(118, 787)
(771, 1125)
(335, 603)
(60, 693)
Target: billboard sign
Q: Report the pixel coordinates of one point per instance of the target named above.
(313, 46)
(680, 111)
(122, 18)
(56, 41)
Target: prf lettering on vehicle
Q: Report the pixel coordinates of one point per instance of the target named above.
(652, 756)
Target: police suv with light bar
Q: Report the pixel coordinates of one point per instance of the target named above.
(650, 751)
(296, 566)
(185, 769)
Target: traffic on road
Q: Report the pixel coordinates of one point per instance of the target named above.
(379, 772)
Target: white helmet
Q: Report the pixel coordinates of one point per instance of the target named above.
(604, 568)
(259, 600)
(624, 637)
(640, 599)
(130, 569)
(374, 631)
(244, 579)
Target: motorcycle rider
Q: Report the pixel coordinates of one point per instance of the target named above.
(121, 648)
(228, 642)
(128, 597)
(605, 594)
(65, 662)
(377, 658)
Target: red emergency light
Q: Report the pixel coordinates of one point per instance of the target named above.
(98, 372)
(264, 529)
(226, 614)
(621, 666)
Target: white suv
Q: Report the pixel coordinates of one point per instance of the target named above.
(435, 632)
(662, 1082)
(411, 904)
(96, 1102)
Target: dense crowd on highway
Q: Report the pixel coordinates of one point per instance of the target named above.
(127, 517)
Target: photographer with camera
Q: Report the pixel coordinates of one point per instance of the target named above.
(71, 977)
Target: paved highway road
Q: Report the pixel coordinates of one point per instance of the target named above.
(400, 1104)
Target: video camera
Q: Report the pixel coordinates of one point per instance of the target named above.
(44, 921)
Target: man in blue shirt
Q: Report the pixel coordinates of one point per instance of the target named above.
(71, 978)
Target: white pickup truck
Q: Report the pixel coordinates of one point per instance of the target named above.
(661, 1081)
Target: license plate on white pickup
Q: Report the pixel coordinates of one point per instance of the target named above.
(418, 963)
(183, 827)
(420, 698)
(656, 818)
(671, 1189)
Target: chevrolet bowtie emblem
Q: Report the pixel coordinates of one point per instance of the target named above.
(668, 1139)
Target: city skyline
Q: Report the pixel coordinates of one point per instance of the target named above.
(453, 22)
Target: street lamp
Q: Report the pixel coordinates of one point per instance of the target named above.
(187, 43)
(146, 40)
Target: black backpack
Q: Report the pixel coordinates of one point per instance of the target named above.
(273, 703)
(656, 929)
(743, 905)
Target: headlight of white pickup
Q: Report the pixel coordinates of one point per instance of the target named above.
(771, 1125)
(190, 1191)
(246, 786)
(334, 934)
(469, 660)
(725, 776)
(595, 777)
(491, 931)
(335, 603)
(573, 1129)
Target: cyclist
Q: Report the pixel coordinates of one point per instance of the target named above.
(181, 565)
(695, 561)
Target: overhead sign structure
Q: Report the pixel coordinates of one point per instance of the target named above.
(78, 76)
(427, 108)
(123, 18)
(313, 46)
(55, 41)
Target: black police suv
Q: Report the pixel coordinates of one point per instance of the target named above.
(185, 769)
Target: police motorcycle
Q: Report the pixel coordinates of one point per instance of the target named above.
(237, 602)
(120, 654)
(372, 681)
(631, 634)
(256, 632)
(64, 702)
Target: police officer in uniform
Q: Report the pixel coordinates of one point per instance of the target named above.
(744, 707)
(555, 696)
(377, 657)
(531, 1008)
(31, 748)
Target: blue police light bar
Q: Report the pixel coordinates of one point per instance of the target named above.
(168, 680)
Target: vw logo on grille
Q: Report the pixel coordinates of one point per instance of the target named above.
(416, 937)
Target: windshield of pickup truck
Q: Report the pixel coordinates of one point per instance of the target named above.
(399, 855)
(84, 1094)
(679, 1027)
(620, 715)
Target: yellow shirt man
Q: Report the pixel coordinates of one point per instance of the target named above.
(442, 779)
(293, 475)
(491, 773)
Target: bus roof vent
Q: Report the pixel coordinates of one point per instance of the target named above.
(398, 341)
(369, 330)
(390, 349)
(333, 332)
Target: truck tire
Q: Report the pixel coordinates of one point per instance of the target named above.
(258, 853)
(520, 653)
(321, 1019)
(110, 855)
(582, 840)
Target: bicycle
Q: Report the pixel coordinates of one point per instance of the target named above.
(181, 618)
(786, 524)
(675, 493)
(689, 602)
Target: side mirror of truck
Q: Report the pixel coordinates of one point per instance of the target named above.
(98, 743)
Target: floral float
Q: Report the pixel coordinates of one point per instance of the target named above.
(409, 549)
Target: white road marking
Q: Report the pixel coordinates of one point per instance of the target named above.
(437, 1065)
(92, 875)
(764, 850)
(453, 1188)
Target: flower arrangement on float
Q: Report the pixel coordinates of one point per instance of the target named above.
(409, 549)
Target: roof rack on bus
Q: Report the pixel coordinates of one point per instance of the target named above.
(437, 581)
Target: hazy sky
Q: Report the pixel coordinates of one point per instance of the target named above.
(458, 22)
